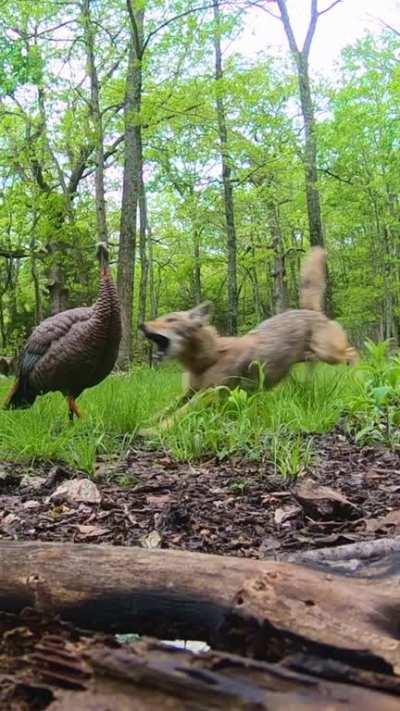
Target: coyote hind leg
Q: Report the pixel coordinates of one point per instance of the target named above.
(329, 344)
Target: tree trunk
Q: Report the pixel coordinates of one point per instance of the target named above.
(36, 288)
(133, 160)
(197, 291)
(258, 307)
(97, 122)
(226, 178)
(279, 286)
(310, 153)
(307, 110)
(143, 250)
(266, 609)
(52, 665)
(3, 334)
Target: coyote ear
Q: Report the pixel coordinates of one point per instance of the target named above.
(201, 313)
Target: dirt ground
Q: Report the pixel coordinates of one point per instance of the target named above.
(231, 507)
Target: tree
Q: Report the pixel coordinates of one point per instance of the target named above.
(96, 120)
(301, 58)
(226, 176)
(132, 182)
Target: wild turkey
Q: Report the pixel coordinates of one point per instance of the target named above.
(72, 350)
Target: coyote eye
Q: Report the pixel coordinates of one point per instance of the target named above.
(170, 319)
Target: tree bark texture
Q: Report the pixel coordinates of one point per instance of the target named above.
(47, 664)
(131, 184)
(279, 285)
(226, 179)
(307, 110)
(143, 250)
(97, 121)
(264, 609)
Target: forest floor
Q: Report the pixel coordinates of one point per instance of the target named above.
(312, 463)
(231, 507)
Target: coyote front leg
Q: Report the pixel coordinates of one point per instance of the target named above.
(167, 416)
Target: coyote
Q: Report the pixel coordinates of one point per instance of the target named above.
(209, 359)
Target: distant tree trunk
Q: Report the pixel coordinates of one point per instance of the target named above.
(97, 121)
(133, 160)
(258, 307)
(34, 272)
(307, 109)
(279, 286)
(143, 346)
(144, 262)
(310, 155)
(152, 289)
(197, 290)
(226, 178)
(3, 333)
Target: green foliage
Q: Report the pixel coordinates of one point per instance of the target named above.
(112, 414)
(269, 425)
(48, 141)
(375, 410)
(278, 426)
(48, 214)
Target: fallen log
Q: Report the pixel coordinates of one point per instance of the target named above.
(263, 609)
(49, 664)
(357, 557)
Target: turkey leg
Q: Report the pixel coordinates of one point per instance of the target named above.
(72, 408)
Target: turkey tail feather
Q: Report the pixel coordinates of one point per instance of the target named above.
(21, 394)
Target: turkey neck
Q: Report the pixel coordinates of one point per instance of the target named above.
(106, 309)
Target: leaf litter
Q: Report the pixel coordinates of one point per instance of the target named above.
(233, 507)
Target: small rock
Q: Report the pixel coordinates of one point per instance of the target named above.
(284, 513)
(55, 476)
(152, 540)
(91, 531)
(31, 505)
(32, 482)
(76, 491)
(9, 523)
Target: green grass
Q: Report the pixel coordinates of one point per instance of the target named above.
(112, 412)
(276, 426)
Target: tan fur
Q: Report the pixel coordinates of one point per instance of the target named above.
(277, 343)
(313, 281)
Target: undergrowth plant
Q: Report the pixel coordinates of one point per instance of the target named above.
(374, 412)
(276, 426)
(112, 413)
(267, 424)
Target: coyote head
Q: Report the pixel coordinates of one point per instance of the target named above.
(174, 333)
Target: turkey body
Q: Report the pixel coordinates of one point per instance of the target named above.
(70, 351)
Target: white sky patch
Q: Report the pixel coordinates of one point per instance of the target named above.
(341, 26)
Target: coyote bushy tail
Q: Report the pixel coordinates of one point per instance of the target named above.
(313, 280)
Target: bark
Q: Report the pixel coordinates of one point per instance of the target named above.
(361, 555)
(258, 306)
(35, 277)
(143, 251)
(226, 179)
(97, 121)
(3, 333)
(197, 290)
(51, 665)
(279, 286)
(133, 166)
(310, 144)
(152, 286)
(264, 609)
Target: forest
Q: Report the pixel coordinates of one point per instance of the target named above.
(174, 173)
(208, 173)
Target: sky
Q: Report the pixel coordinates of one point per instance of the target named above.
(342, 25)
